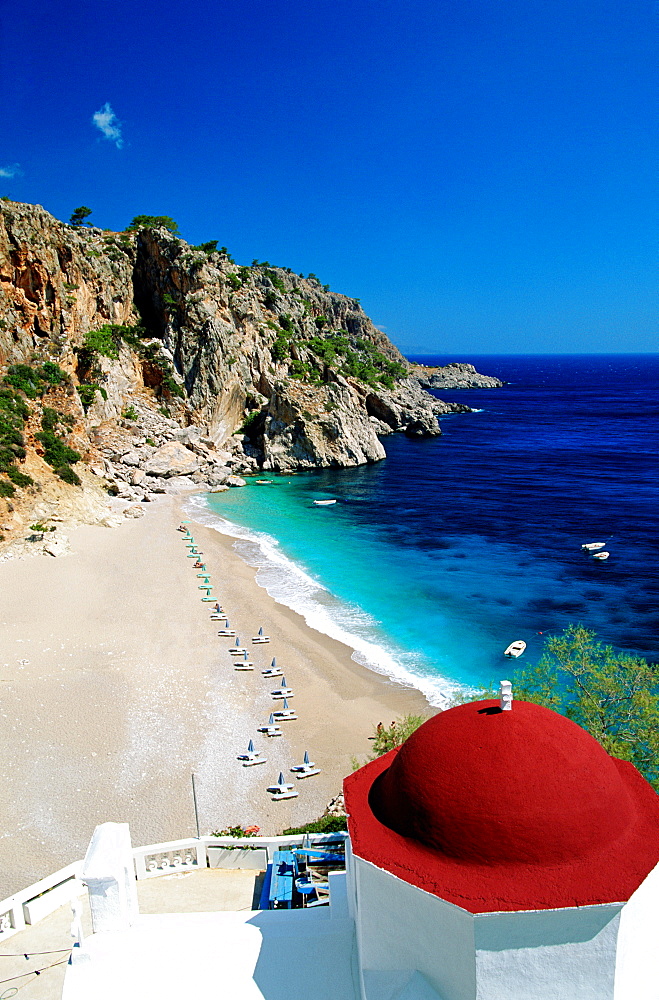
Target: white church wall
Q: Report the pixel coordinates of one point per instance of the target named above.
(401, 928)
(547, 954)
(637, 966)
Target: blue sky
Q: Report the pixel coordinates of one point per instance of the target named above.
(481, 174)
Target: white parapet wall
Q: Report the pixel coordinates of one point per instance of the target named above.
(110, 876)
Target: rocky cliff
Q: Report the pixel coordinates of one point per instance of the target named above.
(130, 360)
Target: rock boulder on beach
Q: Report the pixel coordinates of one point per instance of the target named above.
(172, 459)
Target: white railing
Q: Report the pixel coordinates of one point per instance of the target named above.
(191, 854)
(34, 903)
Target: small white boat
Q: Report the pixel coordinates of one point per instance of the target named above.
(252, 756)
(324, 503)
(601, 555)
(593, 546)
(260, 637)
(515, 648)
(263, 482)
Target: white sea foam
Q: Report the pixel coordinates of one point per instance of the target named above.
(288, 584)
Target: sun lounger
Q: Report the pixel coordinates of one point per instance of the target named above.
(271, 729)
(285, 714)
(283, 691)
(252, 756)
(282, 790)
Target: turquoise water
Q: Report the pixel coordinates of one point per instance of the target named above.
(433, 561)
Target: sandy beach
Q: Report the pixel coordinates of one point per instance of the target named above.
(115, 687)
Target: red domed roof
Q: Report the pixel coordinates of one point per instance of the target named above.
(506, 810)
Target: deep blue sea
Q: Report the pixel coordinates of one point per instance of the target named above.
(434, 560)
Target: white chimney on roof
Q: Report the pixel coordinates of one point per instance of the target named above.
(505, 696)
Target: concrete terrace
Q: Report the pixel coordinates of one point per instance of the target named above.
(203, 891)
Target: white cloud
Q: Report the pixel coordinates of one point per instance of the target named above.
(12, 170)
(107, 122)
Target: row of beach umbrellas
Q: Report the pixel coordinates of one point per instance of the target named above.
(240, 654)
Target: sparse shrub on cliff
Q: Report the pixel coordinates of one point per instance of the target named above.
(58, 454)
(33, 380)
(153, 222)
(234, 281)
(286, 323)
(249, 423)
(6, 489)
(276, 281)
(19, 478)
(87, 391)
(105, 341)
(280, 349)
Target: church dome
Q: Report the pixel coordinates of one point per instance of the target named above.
(514, 810)
(524, 785)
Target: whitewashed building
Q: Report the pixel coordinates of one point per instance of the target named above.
(500, 854)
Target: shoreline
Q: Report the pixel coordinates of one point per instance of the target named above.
(115, 688)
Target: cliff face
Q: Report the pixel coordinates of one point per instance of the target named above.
(146, 335)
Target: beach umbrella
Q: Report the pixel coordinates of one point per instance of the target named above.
(271, 720)
(283, 682)
(281, 781)
(274, 661)
(250, 748)
(285, 706)
(245, 655)
(306, 757)
(260, 631)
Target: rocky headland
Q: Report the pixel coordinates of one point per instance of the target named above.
(133, 364)
(456, 375)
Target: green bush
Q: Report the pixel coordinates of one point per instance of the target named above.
(280, 349)
(56, 451)
(326, 824)
(249, 421)
(19, 478)
(87, 391)
(234, 281)
(26, 379)
(106, 341)
(6, 489)
(53, 374)
(130, 413)
(171, 386)
(66, 473)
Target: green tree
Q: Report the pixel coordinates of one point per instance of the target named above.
(611, 694)
(153, 222)
(385, 738)
(79, 215)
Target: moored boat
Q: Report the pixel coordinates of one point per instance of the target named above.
(515, 648)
